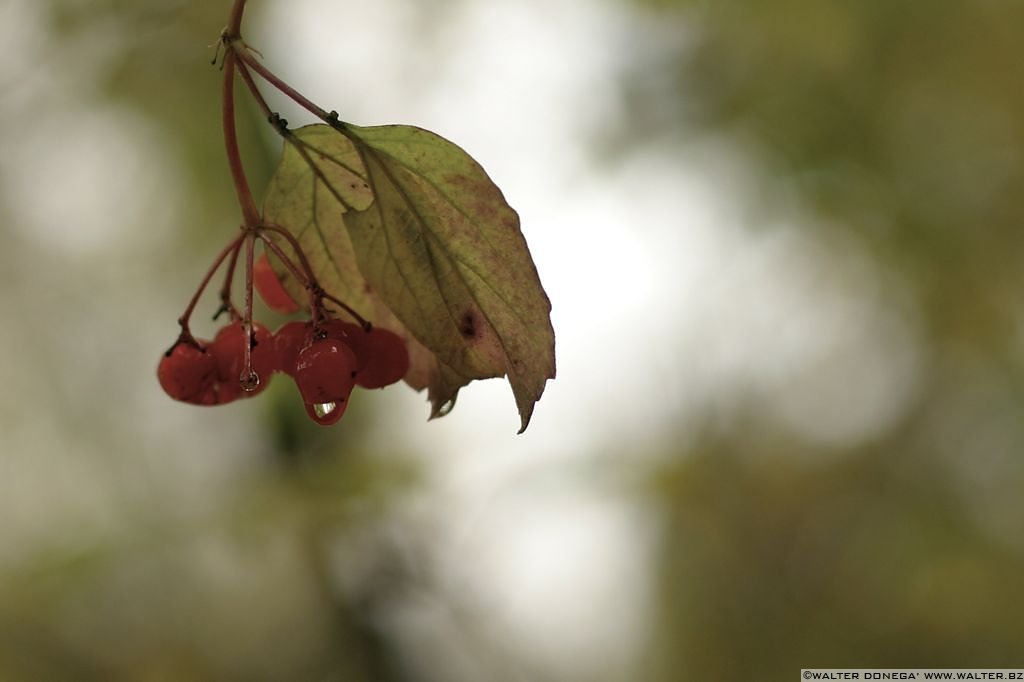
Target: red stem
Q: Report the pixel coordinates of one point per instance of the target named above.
(366, 324)
(297, 248)
(250, 213)
(245, 60)
(243, 71)
(234, 27)
(311, 289)
(246, 57)
(233, 247)
(293, 140)
(248, 378)
(225, 291)
(288, 262)
(312, 284)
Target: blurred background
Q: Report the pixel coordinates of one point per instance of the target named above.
(783, 242)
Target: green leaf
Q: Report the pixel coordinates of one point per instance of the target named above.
(409, 230)
(319, 178)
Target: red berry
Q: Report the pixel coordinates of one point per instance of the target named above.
(389, 359)
(187, 372)
(324, 373)
(210, 395)
(228, 348)
(289, 339)
(381, 355)
(229, 391)
(353, 336)
(270, 288)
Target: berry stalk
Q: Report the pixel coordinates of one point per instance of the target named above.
(232, 248)
(226, 306)
(248, 379)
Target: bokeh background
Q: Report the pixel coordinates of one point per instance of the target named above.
(783, 242)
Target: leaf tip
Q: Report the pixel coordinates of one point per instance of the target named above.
(525, 414)
(441, 408)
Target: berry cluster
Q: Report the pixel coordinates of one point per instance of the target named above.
(328, 361)
(326, 357)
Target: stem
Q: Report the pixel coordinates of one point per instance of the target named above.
(234, 27)
(366, 324)
(311, 288)
(250, 213)
(316, 292)
(245, 57)
(233, 247)
(297, 248)
(225, 292)
(248, 379)
(239, 56)
(288, 262)
(243, 71)
(308, 279)
(296, 143)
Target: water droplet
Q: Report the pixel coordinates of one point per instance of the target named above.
(250, 383)
(324, 409)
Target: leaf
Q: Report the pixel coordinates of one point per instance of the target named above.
(319, 178)
(435, 246)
